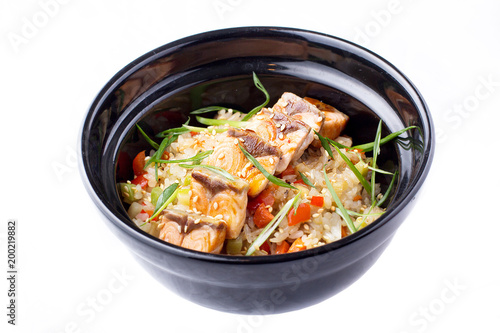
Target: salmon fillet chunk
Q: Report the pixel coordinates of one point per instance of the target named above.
(335, 121)
(228, 156)
(300, 109)
(290, 135)
(192, 231)
(216, 196)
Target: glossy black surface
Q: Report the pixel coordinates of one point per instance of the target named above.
(214, 68)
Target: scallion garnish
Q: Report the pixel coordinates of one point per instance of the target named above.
(151, 142)
(219, 122)
(376, 151)
(259, 86)
(355, 170)
(159, 153)
(198, 157)
(217, 170)
(204, 129)
(336, 198)
(266, 174)
(306, 180)
(369, 146)
(388, 191)
(272, 225)
(168, 195)
(380, 171)
(210, 109)
(353, 213)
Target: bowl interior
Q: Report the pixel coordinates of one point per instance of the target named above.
(159, 90)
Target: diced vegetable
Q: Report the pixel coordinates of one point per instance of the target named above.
(183, 197)
(362, 168)
(265, 247)
(297, 245)
(138, 163)
(167, 196)
(155, 193)
(233, 246)
(282, 248)
(265, 197)
(357, 198)
(140, 180)
(317, 201)
(302, 214)
(290, 170)
(262, 216)
(129, 192)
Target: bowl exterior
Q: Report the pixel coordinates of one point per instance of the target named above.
(219, 63)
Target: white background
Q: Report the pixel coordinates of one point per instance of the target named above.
(440, 273)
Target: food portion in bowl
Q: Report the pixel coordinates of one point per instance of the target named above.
(276, 180)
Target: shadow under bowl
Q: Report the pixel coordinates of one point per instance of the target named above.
(159, 90)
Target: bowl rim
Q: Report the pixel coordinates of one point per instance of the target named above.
(163, 246)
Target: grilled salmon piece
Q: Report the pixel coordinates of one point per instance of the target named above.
(193, 231)
(216, 196)
(300, 109)
(228, 156)
(335, 121)
(290, 135)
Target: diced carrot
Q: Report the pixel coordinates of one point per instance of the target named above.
(138, 163)
(265, 247)
(262, 216)
(357, 198)
(288, 171)
(297, 245)
(193, 133)
(344, 232)
(299, 181)
(282, 248)
(266, 197)
(317, 201)
(140, 180)
(303, 214)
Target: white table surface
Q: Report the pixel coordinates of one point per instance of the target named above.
(440, 273)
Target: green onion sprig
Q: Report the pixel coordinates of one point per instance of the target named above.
(259, 86)
(167, 197)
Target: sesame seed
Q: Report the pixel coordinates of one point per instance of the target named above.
(320, 119)
(316, 215)
(230, 110)
(195, 199)
(306, 226)
(190, 193)
(179, 228)
(281, 136)
(221, 156)
(270, 209)
(235, 141)
(280, 230)
(242, 140)
(161, 225)
(219, 217)
(320, 210)
(327, 227)
(213, 132)
(185, 228)
(333, 208)
(283, 126)
(216, 205)
(271, 160)
(197, 221)
(259, 117)
(272, 116)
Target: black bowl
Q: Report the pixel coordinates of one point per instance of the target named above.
(215, 68)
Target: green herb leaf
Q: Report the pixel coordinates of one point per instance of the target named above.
(325, 143)
(211, 109)
(219, 122)
(198, 157)
(388, 191)
(259, 86)
(266, 174)
(217, 170)
(159, 153)
(369, 146)
(165, 199)
(353, 213)
(336, 198)
(355, 170)
(204, 129)
(306, 180)
(380, 171)
(376, 151)
(272, 225)
(151, 142)
(174, 131)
